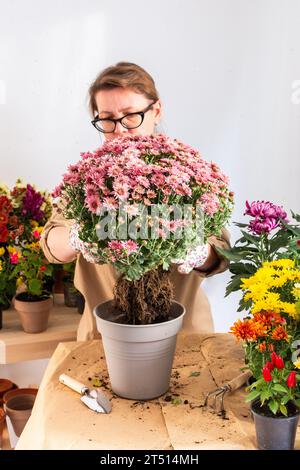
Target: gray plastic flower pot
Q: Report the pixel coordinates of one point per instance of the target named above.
(274, 433)
(139, 357)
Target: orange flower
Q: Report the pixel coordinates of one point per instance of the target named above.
(268, 318)
(279, 333)
(262, 347)
(248, 330)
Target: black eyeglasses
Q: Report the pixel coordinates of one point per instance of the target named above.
(129, 121)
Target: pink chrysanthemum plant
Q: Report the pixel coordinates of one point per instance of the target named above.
(140, 203)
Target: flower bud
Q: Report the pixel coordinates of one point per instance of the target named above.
(267, 374)
(269, 366)
(279, 362)
(291, 380)
(273, 358)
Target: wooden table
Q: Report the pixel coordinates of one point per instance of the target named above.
(176, 420)
(16, 345)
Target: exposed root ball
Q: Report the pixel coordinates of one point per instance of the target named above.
(147, 300)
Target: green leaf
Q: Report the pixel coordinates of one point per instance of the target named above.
(240, 225)
(176, 401)
(233, 285)
(280, 388)
(265, 395)
(285, 399)
(165, 265)
(254, 394)
(96, 382)
(283, 410)
(35, 287)
(194, 374)
(295, 216)
(26, 253)
(297, 402)
(242, 268)
(251, 238)
(273, 405)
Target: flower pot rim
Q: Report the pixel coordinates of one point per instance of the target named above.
(19, 391)
(6, 382)
(254, 411)
(148, 325)
(49, 297)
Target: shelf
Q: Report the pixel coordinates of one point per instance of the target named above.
(16, 345)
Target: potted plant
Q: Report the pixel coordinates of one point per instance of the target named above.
(265, 266)
(275, 406)
(73, 298)
(267, 237)
(33, 304)
(29, 211)
(143, 203)
(7, 285)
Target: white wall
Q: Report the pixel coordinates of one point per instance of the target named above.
(225, 70)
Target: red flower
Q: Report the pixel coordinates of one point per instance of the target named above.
(43, 268)
(269, 366)
(291, 380)
(298, 242)
(267, 374)
(279, 362)
(14, 221)
(3, 218)
(14, 258)
(273, 358)
(5, 205)
(3, 233)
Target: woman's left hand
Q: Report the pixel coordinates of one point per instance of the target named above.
(195, 258)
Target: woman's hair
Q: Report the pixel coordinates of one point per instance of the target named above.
(123, 74)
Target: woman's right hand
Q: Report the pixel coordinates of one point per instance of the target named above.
(58, 241)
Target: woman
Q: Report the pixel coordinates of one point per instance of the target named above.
(123, 98)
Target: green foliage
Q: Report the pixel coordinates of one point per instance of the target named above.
(34, 271)
(275, 393)
(251, 251)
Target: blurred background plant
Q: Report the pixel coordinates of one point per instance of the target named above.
(23, 213)
(73, 298)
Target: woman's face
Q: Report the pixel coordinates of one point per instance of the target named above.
(117, 102)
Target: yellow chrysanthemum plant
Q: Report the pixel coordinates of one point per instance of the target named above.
(264, 265)
(272, 297)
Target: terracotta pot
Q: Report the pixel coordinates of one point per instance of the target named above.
(2, 424)
(5, 386)
(19, 391)
(34, 315)
(18, 409)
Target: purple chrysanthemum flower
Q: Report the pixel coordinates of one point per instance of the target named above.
(267, 216)
(32, 202)
(259, 226)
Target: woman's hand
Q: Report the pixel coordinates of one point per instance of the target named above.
(59, 246)
(196, 258)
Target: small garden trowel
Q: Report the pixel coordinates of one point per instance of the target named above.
(94, 399)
